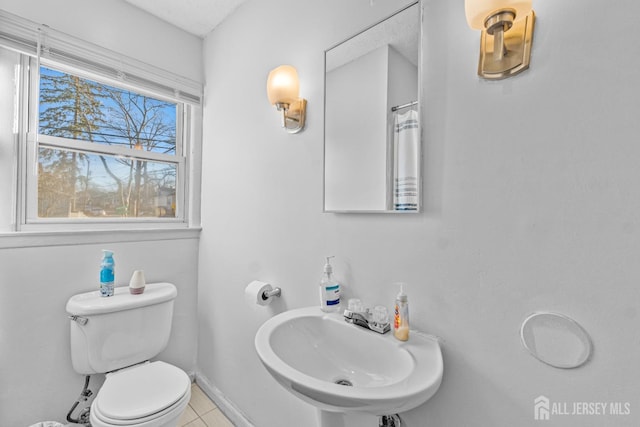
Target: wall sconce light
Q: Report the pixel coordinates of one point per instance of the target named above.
(282, 89)
(507, 33)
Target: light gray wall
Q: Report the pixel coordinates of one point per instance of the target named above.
(37, 381)
(356, 152)
(403, 81)
(118, 26)
(536, 212)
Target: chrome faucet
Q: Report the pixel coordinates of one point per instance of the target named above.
(377, 322)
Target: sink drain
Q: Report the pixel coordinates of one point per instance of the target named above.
(344, 382)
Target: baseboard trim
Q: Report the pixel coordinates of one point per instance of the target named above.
(227, 407)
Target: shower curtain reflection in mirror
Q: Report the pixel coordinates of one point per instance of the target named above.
(406, 162)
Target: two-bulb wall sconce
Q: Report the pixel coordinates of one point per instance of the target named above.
(507, 33)
(283, 87)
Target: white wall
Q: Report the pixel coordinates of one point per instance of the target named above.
(37, 380)
(8, 179)
(356, 151)
(403, 81)
(537, 213)
(118, 26)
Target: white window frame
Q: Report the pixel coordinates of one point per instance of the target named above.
(65, 53)
(35, 141)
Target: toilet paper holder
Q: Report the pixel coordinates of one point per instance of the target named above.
(261, 293)
(275, 292)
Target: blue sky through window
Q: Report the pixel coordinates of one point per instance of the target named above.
(113, 116)
(84, 183)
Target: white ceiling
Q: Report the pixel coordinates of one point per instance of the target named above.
(197, 17)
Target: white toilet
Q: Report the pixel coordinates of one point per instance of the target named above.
(117, 336)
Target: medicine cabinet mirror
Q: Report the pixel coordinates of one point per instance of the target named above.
(372, 144)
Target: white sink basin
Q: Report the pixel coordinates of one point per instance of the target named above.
(308, 351)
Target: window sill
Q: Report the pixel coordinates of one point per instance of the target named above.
(31, 239)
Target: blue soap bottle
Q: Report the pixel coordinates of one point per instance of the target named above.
(107, 273)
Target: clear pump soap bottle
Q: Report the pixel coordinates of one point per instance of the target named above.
(401, 315)
(329, 289)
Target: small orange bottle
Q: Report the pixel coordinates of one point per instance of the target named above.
(401, 315)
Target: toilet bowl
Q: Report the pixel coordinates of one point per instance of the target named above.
(149, 395)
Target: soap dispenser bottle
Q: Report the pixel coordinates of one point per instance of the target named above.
(401, 315)
(107, 273)
(329, 289)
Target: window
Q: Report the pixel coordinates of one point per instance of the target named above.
(91, 139)
(104, 152)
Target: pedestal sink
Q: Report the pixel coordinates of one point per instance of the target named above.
(339, 367)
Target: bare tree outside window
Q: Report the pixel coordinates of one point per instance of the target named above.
(116, 175)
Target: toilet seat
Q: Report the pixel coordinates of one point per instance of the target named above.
(142, 395)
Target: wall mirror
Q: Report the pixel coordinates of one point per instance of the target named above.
(372, 144)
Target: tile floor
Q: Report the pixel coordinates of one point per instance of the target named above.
(202, 412)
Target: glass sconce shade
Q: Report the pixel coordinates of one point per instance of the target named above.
(478, 11)
(283, 85)
(282, 90)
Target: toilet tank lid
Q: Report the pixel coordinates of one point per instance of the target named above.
(90, 303)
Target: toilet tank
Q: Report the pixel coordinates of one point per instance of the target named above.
(109, 333)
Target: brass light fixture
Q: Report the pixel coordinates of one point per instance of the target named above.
(283, 87)
(507, 34)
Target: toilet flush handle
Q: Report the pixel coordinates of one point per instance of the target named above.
(81, 320)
